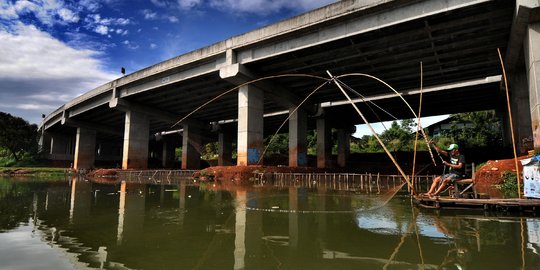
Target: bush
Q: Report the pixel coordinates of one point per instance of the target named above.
(509, 184)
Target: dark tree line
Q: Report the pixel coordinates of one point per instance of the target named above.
(17, 136)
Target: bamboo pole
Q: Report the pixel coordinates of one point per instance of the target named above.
(417, 126)
(374, 133)
(398, 94)
(511, 124)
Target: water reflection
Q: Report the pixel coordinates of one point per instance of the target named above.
(181, 224)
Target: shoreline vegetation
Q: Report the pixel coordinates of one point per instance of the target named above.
(34, 171)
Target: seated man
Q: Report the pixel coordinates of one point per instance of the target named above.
(456, 165)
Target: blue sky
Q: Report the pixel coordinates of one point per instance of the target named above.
(53, 50)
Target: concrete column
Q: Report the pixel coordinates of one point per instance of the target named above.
(62, 147)
(59, 144)
(344, 146)
(531, 48)
(191, 146)
(224, 149)
(45, 143)
(250, 125)
(168, 153)
(136, 136)
(521, 112)
(324, 146)
(85, 149)
(297, 138)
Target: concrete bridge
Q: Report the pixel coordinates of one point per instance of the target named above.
(135, 117)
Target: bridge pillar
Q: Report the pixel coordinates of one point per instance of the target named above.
(532, 61)
(297, 138)
(136, 137)
(191, 145)
(324, 149)
(168, 153)
(250, 144)
(250, 125)
(224, 149)
(85, 149)
(344, 145)
(62, 147)
(44, 143)
(521, 112)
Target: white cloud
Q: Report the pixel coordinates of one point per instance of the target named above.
(160, 3)
(130, 45)
(96, 19)
(38, 73)
(47, 12)
(189, 4)
(90, 5)
(101, 29)
(153, 46)
(149, 15)
(68, 16)
(172, 19)
(122, 32)
(266, 7)
(8, 11)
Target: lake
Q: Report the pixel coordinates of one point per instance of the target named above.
(182, 223)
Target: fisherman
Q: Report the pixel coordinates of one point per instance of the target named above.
(456, 172)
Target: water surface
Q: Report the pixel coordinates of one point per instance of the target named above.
(182, 224)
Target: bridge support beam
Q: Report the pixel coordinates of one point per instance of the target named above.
(250, 125)
(532, 61)
(191, 145)
(324, 149)
(136, 137)
(224, 149)
(297, 138)
(85, 149)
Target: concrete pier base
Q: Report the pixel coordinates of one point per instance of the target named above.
(191, 145)
(250, 125)
(136, 136)
(324, 150)
(85, 149)
(297, 138)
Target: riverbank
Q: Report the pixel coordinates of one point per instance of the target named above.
(36, 171)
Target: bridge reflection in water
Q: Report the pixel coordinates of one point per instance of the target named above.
(280, 223)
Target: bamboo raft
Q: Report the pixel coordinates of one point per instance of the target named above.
(504, 205)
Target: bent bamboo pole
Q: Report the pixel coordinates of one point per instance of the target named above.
(417, 128)
(374, 133)
(511, 124)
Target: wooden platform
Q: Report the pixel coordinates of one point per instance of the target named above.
(513, 204)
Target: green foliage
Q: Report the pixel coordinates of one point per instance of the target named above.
(509, 183)
(399, 137)
(277, 144)
(178, 154)
(475, 129)
(210, 151)
(17, 137)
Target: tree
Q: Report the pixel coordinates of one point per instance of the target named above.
(475, 129)
(399, 137)
(17, 135)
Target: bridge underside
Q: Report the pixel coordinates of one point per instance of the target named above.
(449, 48)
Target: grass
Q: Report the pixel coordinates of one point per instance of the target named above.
(41, 171)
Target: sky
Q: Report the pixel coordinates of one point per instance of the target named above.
(379, 127)
(53, 50)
